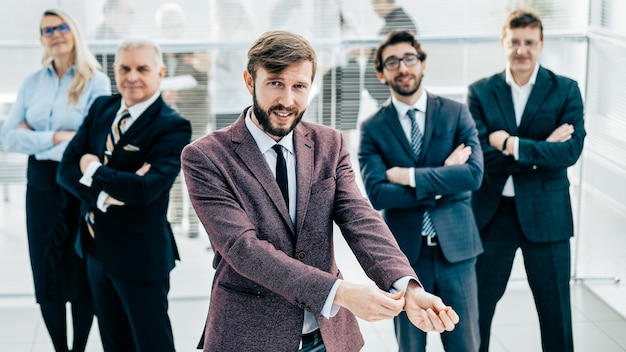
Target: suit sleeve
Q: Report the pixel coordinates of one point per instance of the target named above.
(494, 160)
(558, 155)
(449, 180)
(68, 172)
(382, 193)
(164, 160)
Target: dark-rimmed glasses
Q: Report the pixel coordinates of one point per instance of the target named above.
(393, 63)
(49, 31)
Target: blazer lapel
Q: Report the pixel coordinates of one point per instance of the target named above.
(538, 94)
(432, 110)
(251, 156)
(502, 92)
(104, 127)
(392, 121)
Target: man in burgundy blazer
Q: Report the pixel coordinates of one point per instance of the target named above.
(277, 284)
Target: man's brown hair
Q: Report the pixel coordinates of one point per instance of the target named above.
(276, 50)
(522, 18)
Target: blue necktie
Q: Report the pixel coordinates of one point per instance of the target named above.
(428, 229)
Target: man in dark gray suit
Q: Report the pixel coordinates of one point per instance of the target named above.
(530, 124)
(268, 189)
(420, 158)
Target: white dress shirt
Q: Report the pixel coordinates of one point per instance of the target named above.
(520, 96)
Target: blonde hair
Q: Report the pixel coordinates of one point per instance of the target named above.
(85, 63)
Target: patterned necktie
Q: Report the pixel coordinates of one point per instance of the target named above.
(281, 173)
(116, 132)
(428, 229)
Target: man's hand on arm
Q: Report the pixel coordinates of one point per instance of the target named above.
(399, 175)
(459, 156)
(87, 159)
(368, 302)
(141, 172)
(562, 133)
(426, 311)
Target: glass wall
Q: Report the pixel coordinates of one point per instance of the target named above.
(461, 38)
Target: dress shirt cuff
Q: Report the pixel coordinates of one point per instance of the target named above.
(516, 148)
(102, 197)
(87, 178)
(402, 283)
(412, 177)
(329, 310)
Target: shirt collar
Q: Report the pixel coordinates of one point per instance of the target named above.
(51, 70)
(139, 108)
(509, 76)
(402, 108)
(263, 141)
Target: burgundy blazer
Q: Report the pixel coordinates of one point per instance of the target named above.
(268, 271)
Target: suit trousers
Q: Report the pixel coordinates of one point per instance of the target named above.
(547, 268)
(455, 283)
(132, 315)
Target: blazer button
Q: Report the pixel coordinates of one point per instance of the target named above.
(301, 256)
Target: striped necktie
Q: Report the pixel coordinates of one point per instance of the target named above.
(428, 229)
(116, 132)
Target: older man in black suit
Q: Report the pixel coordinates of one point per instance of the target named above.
(420, 157)
(530, 124)
(121, 164)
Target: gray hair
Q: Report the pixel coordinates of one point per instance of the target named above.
(136, 43)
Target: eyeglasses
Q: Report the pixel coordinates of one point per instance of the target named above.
(393, 63)
(516, 44)
(49, 31)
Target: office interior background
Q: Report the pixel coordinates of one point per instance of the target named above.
(584, 39)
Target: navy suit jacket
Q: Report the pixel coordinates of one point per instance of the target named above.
(268, 270)
(133, 241)
(540, 175)
(442, 190)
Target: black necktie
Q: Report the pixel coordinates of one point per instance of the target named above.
(281, 173)
(428, 229)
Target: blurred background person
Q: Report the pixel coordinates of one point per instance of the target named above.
(185, 88)
(118, 17)
(227, 93)
(50, 106)
(395, 18)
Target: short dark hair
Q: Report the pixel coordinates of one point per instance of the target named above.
(397, 37)
(522, 18)
(277, 50)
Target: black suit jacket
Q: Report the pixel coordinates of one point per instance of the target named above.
(133, 241)
(540, 175)
(442, 190)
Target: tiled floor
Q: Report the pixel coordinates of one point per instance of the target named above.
(597, 326)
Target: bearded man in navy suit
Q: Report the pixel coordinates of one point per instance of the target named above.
(420, 159)
(530, 124)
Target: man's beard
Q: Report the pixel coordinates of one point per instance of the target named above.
(404, 91)
(263, 117)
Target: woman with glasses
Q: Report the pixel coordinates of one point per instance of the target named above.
(50, 106)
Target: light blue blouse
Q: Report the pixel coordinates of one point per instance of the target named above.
(42, 103)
